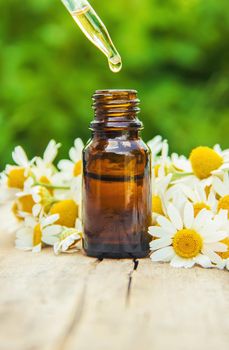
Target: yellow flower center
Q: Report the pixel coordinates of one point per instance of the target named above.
(37, 235)
(24, 203)
(44, 180)
(77, 168)
(157, 205)
(225, 255)
(199, 206)
(16, 178)
(187, 243)
(224, 203)
(68, 212)
(156, 170)
(204, 160)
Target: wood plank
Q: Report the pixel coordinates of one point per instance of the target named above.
(178, 308)
(74, 302)
(39, 297)
(103, 322)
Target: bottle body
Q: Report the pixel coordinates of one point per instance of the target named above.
(116, 209)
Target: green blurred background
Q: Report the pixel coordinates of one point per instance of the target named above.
(175, 53)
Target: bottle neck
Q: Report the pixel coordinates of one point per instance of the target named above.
(115, 134)
(115, 111)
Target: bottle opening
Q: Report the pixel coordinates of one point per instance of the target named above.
(116, 109)
(107, 96)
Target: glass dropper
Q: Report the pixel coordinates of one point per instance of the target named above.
(94, 29)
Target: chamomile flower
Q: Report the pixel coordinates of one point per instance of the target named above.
(33, 198)
(73, 167)
(18, 174)
(69, 239)
(199, 196)
(185, 240)
(36, 231)
(207, 161)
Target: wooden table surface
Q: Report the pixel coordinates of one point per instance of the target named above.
(73, 302)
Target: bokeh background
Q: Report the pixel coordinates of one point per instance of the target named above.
(175, 53)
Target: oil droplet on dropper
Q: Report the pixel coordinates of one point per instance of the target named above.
(94, 29)
(115, 63)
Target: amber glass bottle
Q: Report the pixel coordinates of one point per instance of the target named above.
(116, 207)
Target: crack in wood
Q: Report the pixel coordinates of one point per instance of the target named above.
(130, 279)
(78, 311)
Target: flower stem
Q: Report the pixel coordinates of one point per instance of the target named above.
(179, 175)
(52, 186)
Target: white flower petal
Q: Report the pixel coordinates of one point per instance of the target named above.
(78, 144)
(36, 198)
(155, 145)
(68, 242)
(160, 243)
(219, 187)
(174, 216)
(217, 247)
(181, 262)
(217, 148)
(28, 183)
(30, 221)
(65, 165)
(78, 225)
(221, 219)
(157, 231)
(203, 261)
(20, 157)
(166, 225)
(188, 215)
(36, 209)
(74, 155)
(202, 218)
(51, 152)
(163, 254)
(49, 220)
(52, 230)
(215, 258)
(215, 236)
(50, 240)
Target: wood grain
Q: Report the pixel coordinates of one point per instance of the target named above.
(74, 302)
